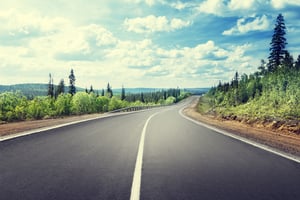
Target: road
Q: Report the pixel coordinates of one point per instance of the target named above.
(178, 160)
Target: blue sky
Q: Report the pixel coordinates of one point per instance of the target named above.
(139, 43)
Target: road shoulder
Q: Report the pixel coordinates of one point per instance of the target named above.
(289, 144)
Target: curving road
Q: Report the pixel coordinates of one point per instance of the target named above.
(178, 159)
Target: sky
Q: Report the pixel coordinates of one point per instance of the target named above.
(139, 43)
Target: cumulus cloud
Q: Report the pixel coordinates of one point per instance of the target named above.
(139, 55)
(278, 4)
(245, 25)
(151, 24)
(181, 5)
(238, 4)
(231, 8)
(216, 7)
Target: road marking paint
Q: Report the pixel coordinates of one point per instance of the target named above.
(137, 176)
(39, 130)
(255, 144)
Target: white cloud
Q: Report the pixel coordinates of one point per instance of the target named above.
(244, 26)
(102, 36)
(151, 24)
(29, 23)
(216, 7)
(232, 7)
(181, 5)
(278, 4)
(133, 54)
(148, 2)
(238, 4)
(36, 39)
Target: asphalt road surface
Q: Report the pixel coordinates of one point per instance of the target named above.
(178, 159)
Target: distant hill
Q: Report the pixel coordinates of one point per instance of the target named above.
(197, 91)
(29, 90)
(37, 89)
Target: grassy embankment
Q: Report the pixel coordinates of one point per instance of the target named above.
(271, 101)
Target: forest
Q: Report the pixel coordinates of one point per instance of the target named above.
(271, 93)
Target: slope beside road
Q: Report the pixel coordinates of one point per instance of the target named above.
(180, 160)
(289, 143)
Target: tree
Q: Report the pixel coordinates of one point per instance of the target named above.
(262, 68)
(91, 89)
(142, 98)
(123, 93)
(288, 61)
(50, 86)
(109, 91)
(278, 42)
(60, 87)
(72, 88)
(297, 63)
(235, 82)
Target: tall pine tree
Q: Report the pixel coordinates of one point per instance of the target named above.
(109, 92)
(123, 93)
(50, 86)
(297, 63)
(72, 88)
(277, 49)
(60, 87)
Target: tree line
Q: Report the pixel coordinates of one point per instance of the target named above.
(14, 106)
(270, 92)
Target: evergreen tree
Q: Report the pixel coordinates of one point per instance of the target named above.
(297, 63)
(235, 82)
(142, 98)
(60, 87)
(50, 86)
(262, 68)
(102, 92)
(288, 61)
(109, 92)
(278, 42)
(72, 88)
(91, 89)
(123, 93)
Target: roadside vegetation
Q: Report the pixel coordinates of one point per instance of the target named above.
(270, 94)
(14, 106)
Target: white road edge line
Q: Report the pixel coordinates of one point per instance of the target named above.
(258, 145)
(39, 130)
(137, 176)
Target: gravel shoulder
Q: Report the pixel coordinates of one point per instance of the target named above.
(19, 127)
(278, 139)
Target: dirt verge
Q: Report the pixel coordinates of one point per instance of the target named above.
(18, 127)
(279, 139)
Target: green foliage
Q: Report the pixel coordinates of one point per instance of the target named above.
(270, 93)
(12, 106)
(41, 107)
(123, 93)
(60, 88)
(109, 92)
(72, 79)
(156, 97)
(278, 42)
(81, 103)
(115, 104)
(275, 95)
(63, 104)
